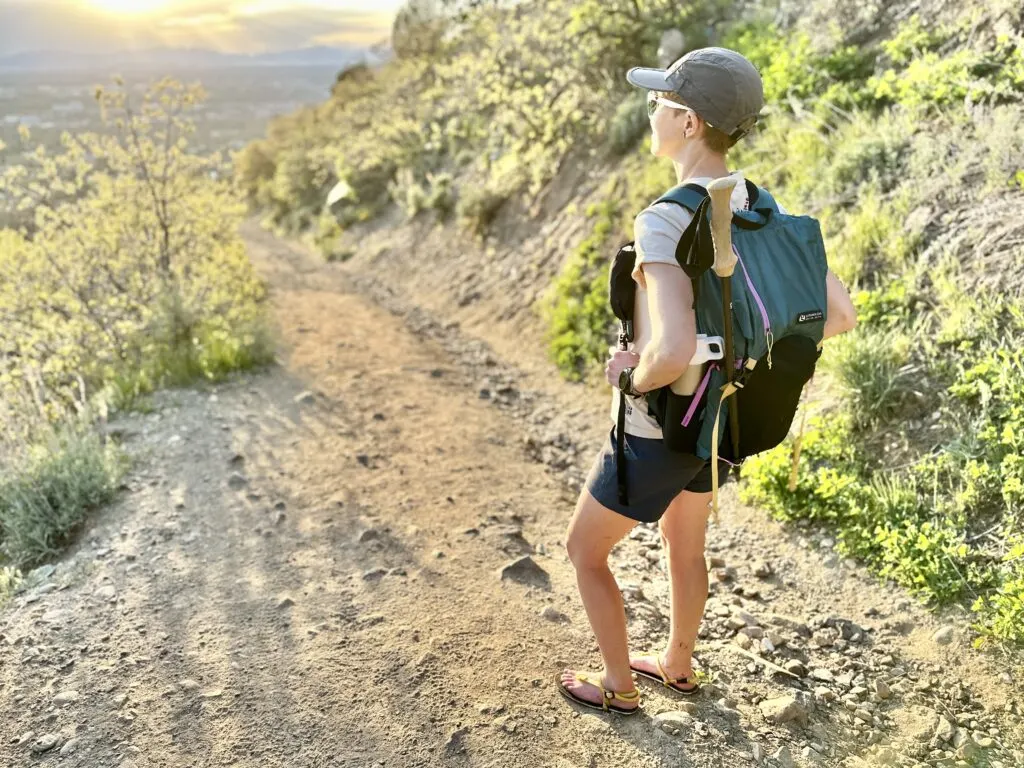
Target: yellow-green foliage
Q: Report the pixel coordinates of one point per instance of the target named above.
(552, 73)
(126, 273)
(917, 468)
(132, 272)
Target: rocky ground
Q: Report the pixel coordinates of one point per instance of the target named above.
(356, 558)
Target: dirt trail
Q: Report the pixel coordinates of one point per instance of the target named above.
(303, 570)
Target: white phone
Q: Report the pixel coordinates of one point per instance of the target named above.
(708, 348)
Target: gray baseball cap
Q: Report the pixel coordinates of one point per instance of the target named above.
(719, 84)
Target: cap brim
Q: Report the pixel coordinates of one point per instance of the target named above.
(651, 79)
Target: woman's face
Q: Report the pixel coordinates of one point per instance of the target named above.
(671, 129)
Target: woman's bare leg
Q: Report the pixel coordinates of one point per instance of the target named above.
(682, 534)
(592, 533)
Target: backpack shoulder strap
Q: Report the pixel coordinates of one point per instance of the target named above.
(689, 196)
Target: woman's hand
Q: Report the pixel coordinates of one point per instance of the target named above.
(619, 360)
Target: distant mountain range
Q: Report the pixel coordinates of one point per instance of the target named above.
(184, 59)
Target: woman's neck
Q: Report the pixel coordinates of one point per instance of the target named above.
(711, 166)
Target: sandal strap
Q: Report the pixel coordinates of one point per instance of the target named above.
(667, 681)
(607, 695)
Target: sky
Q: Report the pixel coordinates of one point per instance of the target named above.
(237, 26)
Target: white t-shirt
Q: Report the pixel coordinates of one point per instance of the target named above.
(656, 233)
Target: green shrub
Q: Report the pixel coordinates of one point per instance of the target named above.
(630, 123)
(10, 578)
(579, 317)
(46, 494)
(478, 207)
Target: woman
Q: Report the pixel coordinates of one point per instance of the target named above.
(699, 107)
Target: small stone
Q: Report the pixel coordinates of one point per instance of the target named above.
(69, 748)
(754, 633)
(455, 742)
(823, 675)
(757, 753)
(188, 685)
(713, 561)
(811, 755)
(796, 668)
(25, 738)
(286, 601)
(784, 709)
(370, 534)
(882, 690)
(106, 592)
(65, 697)
(305, 398)
(675, 720)
(237, 481)
(945, 730)
(552, 614)
(215, 693)
(363, 459)
(862, 714)
(374, 574)
(944, 636)
(743, 641)
(45, 743)
(526, 571)
(783, 757)
(763, 571)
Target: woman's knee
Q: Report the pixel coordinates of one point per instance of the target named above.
(583, 554)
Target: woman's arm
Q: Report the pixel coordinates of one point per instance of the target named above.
(673, 327)
(841, 315)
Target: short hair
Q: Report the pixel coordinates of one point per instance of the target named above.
(713, 138)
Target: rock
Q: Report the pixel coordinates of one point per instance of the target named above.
(783, 757)
(25, 738)
(526, 571)
(754, 633)
(863, 714)
(747, 619)
(370, 534)
(69, 748)
(764, 571)
(286, 601)
(757, 753)
(40, 574)
(944, 636)
(811, 755)
(305, 398)
(882, 691)
(188, 684)
(106, 592)
(65, 697)
(744, 641)
(237, 481)
(214, 693)
(373, 574)
(784, 709)
(823, 675)
(945, 729)
(795, 667)
(713, 561)
(45, 743)
(455, 743)
(673, 721)
(825, 694)
(552, 614)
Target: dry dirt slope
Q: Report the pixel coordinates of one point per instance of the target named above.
(303, 570)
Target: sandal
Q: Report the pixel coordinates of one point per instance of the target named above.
(606, 696)
(667, 681)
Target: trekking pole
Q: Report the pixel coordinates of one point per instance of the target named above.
(720, 191)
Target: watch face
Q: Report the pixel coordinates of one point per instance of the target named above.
(624, 379)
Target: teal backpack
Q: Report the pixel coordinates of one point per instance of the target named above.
(778, 321)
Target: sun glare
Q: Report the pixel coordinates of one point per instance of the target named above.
(128, 7)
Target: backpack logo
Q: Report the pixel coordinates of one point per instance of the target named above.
(810, 316)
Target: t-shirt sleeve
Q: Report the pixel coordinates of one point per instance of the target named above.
(656, 233)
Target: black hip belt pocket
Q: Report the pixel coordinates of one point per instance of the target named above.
(681, 416)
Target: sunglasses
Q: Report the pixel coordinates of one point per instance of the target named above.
(653, 100)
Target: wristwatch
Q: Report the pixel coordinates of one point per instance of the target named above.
(626, 383)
